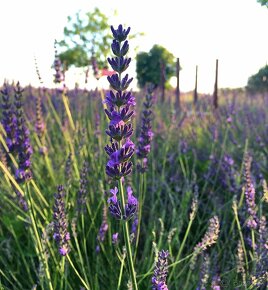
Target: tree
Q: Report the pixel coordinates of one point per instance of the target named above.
(156, 67)
(258, 83)
(263, 2)
(86, 37)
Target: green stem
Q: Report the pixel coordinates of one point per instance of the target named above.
(253, 249)
(141, 201)
(221, 156)
(77, 273)
(68, 111)
(241, 236)
(121, 272)
(181, 247)
(187, 280)
(80, 258)
(37, 238)
(63, 277)
(127, 240)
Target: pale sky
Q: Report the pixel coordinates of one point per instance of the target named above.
(196, 31)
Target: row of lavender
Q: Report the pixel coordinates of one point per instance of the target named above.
(199, 172)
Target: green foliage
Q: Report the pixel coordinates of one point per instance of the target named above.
(263, 2)
(148, 65)
(169, 186)
(259, 81)
(86, 35)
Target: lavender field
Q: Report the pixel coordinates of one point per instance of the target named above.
(123, 189)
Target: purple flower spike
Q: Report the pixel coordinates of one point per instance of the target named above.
(119, 111)
(9, 120)
(250, 196)
(103, 228)
(61, 234)
(23, 146)
(83, 191)
(59, 74)
(146, 135)
(160, 272)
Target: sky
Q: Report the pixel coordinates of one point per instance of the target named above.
(196, 31)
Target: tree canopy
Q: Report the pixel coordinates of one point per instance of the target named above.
(258, 83)
(263, 2)
(86, 36)
(150, 66)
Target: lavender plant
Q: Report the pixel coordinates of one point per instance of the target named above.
(119, 103)
(28, 258)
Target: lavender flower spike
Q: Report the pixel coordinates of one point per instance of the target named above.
(61, 234)
(250, 196)
(119, 111)
(160, 272)
(59, 74)
(210, 238)
(8, 119)
(23, 145)
(146, 135)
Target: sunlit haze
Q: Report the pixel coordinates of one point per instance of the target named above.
(198, 32)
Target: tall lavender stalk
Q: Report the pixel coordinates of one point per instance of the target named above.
(23, 145)
(143, 150)
(146, 135)
(121, 149)
(8, 119)
(250, 195)
(39, 123)
(210, 238)
(160, 272)
(59, 74)
(17, 137)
